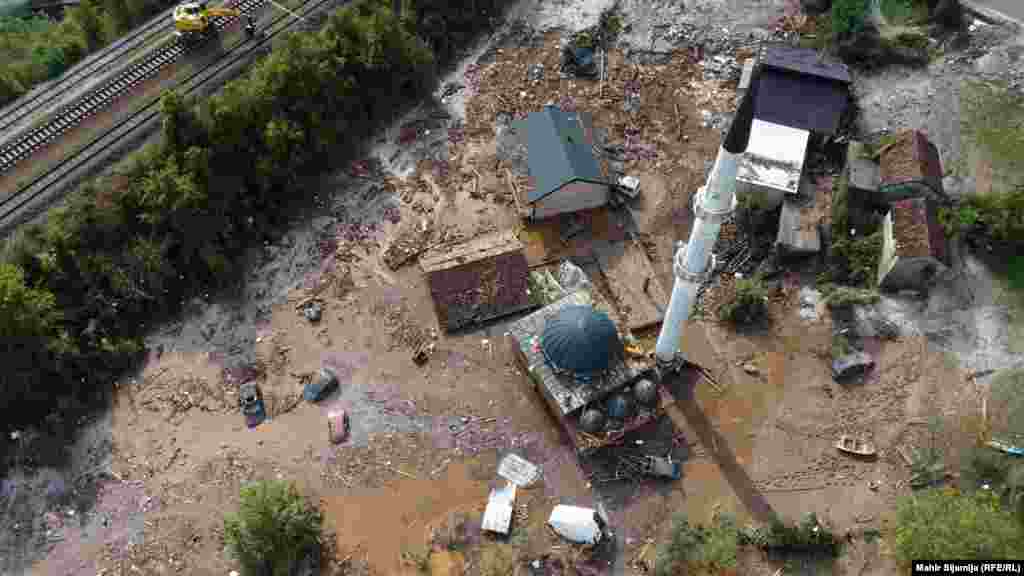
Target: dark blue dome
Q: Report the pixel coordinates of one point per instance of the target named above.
(581, 340)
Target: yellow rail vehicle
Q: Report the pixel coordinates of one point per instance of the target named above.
(193, 18)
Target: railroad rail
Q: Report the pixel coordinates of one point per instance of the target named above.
(23, 198)
(71, 115)
(41, 96)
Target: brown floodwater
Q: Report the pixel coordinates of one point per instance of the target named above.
(384, 522)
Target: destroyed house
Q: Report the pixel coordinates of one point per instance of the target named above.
(564, 175)
(800, 88)
(909, 167)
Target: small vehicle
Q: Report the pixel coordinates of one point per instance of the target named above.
(321, 386)
(250, 400)
(192, 19)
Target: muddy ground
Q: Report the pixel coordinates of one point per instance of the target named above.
(149, 481)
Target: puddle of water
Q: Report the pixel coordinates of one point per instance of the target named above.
(386, 521)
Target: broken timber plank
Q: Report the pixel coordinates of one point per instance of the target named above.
(628, 274)
(481, 248)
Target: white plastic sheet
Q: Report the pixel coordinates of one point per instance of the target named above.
(576, 524)
(519, 471)
(498, 514)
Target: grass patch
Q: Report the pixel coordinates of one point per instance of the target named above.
(904, 12)
(992, 121)
(711, 549)
(839, 297)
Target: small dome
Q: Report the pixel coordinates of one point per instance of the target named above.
(646, 392)
(581, 340)
(592, 421)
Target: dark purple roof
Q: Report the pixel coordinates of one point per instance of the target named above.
(804, 61)
(800, 101)
(480, 290)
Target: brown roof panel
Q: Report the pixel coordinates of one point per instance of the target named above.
(477, 290)
(910, 157)
(916, 229)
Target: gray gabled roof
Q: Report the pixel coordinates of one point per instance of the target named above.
(559, 150)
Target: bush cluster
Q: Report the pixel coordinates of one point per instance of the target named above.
(709, 548)
(274, 529)
(34, 49)
(749, 304)
(848, 17)
(946, 523)
(126, 251)
(809, 536)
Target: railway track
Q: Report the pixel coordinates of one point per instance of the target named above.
(70, 115)
(37, 99)
(24, 198)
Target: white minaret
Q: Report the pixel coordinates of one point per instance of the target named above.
(715, 200)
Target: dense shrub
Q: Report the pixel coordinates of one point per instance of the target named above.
(943, 523)
(274, 528)
(711, 549)
(809, 536)
(845, 297)
(848, 17)
(749, 304)
(34, 49)
(125, 250)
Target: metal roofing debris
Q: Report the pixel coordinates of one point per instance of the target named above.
(805, 61)
(775, 156)
(518, 470)
(580, 525)
(498, 514)
(581, 340)
(559, 150)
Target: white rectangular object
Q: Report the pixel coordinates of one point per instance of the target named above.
(518, 470)
(774, 159)
(498, 514)
(576, 524)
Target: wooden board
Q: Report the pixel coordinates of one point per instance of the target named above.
(481, 248)
(628, 271)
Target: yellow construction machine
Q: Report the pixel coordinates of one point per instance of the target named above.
(192, 19)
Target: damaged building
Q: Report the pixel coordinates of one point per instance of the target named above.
(915, 249)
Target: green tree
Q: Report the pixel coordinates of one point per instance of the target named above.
(943, 523)
(86, 16)
(29, 333)
(274, 528)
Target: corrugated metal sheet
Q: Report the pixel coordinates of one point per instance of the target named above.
(805, 61)
(800, 101)
(559, 150)
(774, 157)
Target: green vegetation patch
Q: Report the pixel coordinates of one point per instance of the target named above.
(992, 120)
(945, 523)
(125, 252)
(904, 12)
(698, 549)
(749, 304)
(274, 528)
(848, 17)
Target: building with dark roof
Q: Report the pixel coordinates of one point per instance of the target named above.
(801, 88)
(581, 341)
(564, 175)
